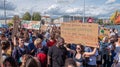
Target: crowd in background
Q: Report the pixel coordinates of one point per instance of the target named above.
(33, 48)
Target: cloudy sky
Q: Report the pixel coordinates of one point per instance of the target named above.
(54, 8)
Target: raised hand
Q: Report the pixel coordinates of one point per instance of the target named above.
(14, 41)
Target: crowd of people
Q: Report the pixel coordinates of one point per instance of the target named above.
(33, 48)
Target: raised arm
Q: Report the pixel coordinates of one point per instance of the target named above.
(49, 57)
(14, 41)
(88, 54)
(48, 61)
(68, 49)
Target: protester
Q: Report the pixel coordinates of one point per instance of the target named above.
(51, 41)
(104, 52)
(111, 50)
(112, 32)
(31, 46)
(69, 62)
(20, 50)
(39, 47)
(9, 62)
(117, 51)
(79, 54)
(92, 58)
(47, 34)
(29, 61)
(57, 54)
(42, 57)
(40, 52)
(47, 49)
(5, 46)
(3, 37)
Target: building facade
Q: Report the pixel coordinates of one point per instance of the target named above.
(71, 18)
(47, 19)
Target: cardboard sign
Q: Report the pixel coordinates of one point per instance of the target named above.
(43, 27)
(15, 28)
(84, 33)
(107, 32)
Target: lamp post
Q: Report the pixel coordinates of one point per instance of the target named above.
(84, 12)
(5, 11)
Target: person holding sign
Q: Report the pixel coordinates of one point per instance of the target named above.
(79, 54)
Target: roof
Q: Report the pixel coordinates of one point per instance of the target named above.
(46, 16)
(76, 21)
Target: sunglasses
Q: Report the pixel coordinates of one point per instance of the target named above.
(78, 48)
(21, 40)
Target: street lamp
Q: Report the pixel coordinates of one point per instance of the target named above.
(84, 12)
(4, 11)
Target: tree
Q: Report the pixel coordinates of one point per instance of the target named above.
(111, 23)
(16, 17)
(26, 16)
(100, 21)
(10, 24)
(36, 16)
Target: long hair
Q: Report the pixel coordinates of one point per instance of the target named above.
(82, 48)
(30, 61)
(11, 60)
(70, 62)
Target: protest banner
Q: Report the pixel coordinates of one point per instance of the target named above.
(31, 24)
(84, 33)
(15, 25)
(43, 27)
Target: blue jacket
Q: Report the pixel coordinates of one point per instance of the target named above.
(18, 53)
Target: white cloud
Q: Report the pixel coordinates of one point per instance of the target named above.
(110, 1)
(52, 7)
(61, 7)
(73, 10)
(55, 9)
(8, 5)
(91, 10)
(65, 1)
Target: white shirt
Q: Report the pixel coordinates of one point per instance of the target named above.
(112, 34)
(117, 57)
(117, 49)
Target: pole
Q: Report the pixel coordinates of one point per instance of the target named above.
(84, 12)
(4, 11)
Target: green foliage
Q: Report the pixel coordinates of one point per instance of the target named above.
(100, 21)
(10, 24)
(36, 16)
(111, 23)
(16, 17)
(26, 16)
